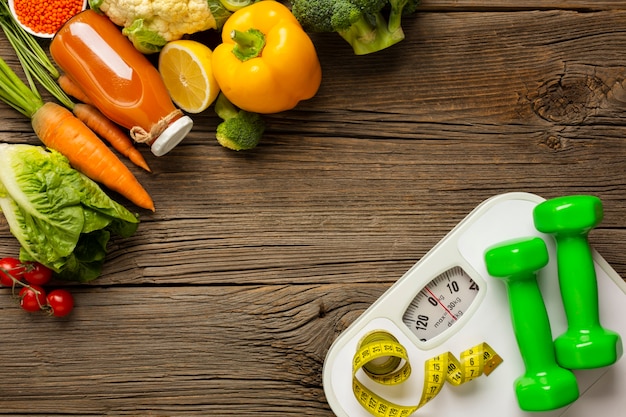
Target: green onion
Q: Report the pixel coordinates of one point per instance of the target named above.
(15, 93)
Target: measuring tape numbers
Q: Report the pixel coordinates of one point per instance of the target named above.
(383, 359)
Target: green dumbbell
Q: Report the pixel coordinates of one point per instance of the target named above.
(545, 385)
(585, 344)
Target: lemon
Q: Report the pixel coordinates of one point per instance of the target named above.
(185, 67)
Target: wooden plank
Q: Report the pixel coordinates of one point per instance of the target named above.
(168, 351)
(508, 5)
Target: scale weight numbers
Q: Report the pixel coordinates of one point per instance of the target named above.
(440, 304)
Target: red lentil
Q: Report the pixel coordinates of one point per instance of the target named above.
(46, 16)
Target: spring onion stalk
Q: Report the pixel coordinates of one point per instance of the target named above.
(15, 93)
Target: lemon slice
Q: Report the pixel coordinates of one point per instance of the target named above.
(185, 67)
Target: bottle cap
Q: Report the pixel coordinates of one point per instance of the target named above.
(172, 136)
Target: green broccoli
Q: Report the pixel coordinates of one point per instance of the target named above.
(360, 22)
(240, 130)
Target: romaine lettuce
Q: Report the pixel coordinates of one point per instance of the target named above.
(61, 218)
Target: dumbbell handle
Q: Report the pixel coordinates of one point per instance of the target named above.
(530, 323)
(577, 279)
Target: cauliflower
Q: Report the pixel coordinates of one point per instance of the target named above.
(150, 24)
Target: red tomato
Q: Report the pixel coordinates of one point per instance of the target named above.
(32, 298)
(10, 269)
(61, 302)
(36, 273)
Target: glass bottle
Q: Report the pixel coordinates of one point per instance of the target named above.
(119, 80)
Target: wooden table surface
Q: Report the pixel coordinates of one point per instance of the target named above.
(226, 300)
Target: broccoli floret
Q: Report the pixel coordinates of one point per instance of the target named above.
(360, 22)
(240, 130)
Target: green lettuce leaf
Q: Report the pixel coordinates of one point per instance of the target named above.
(61, 218)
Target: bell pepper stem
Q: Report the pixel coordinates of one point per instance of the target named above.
(248, 44)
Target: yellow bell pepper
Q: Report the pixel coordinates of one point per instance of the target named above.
(266, 63)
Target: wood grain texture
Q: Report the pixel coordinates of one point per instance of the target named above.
(227, 299)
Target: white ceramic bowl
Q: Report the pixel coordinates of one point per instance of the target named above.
(29, 30)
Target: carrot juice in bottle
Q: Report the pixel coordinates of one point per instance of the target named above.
(119, 80)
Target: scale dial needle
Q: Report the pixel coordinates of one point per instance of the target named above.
(441, 304)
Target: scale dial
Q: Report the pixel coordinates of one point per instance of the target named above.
(440, 304)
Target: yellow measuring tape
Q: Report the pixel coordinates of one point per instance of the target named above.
(386, 361)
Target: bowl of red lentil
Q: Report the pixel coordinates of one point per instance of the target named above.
(43, 18)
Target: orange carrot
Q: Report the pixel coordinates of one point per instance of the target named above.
(72, 89)
(110, 132)
(60, 130)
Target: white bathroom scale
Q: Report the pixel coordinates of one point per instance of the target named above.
(447, 302)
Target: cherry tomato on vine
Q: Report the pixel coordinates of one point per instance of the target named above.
(61, 302)
(10, 269)
(36, 273)
(32, 298)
